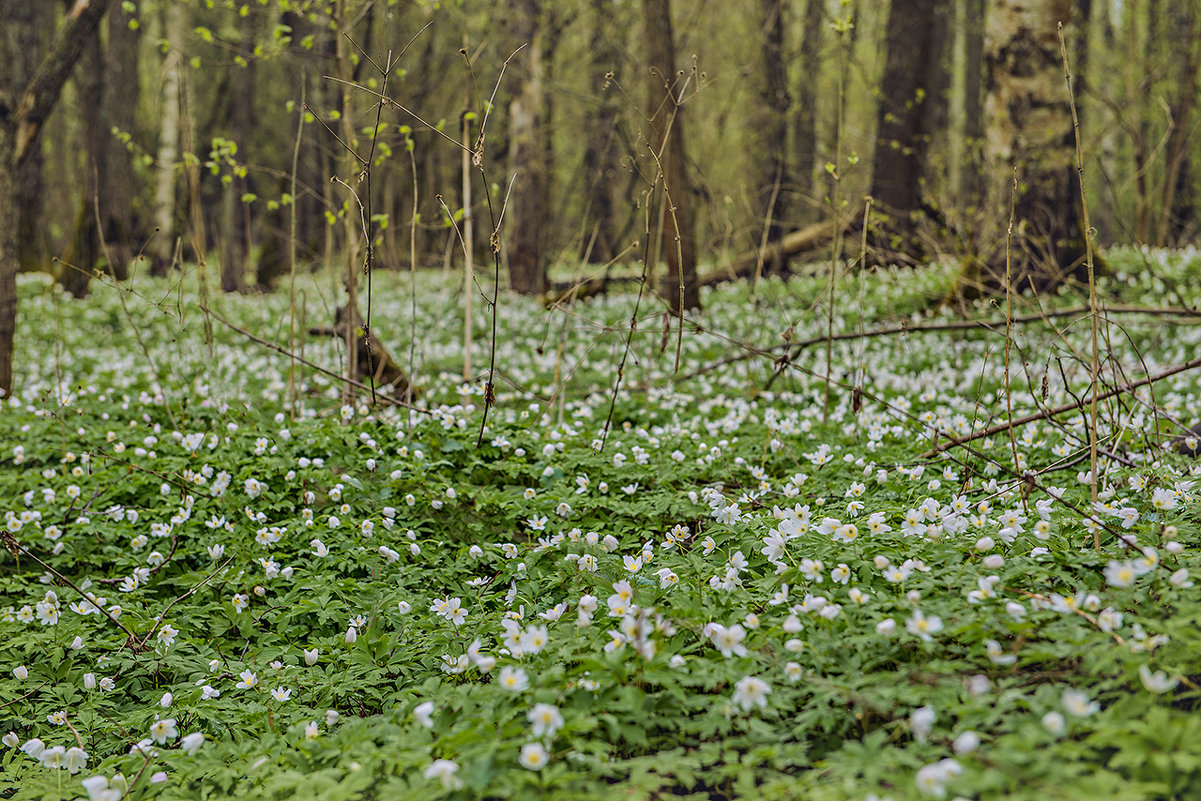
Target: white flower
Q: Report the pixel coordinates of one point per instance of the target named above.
(76, 760)
(923, 627)
(513, 679)
(1163, 498)
(1054, 722)
(101, 788)
(281, 694)
(1157, 682)
(1077, 703)
(54, 758)
(997, 655)
(444, 771)
(546, 720)
(750, 692)
(534, 639)
(1109, 619)
(729, 640)
(191, 742)
(21, 672)
(931, 779)
(163, 730)
(533, 756)
(249, 679)
(424, 712)
(921, 721)
(886, 627)
(167, 635)
(311, 656)
(454, 611)
(966, 742)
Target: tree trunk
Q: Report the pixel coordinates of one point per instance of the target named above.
(1080, 54)
(806, 123)
(23, 110)
(9, 260)
(235, 223)
(671, 218)
(912, 94)
(84, 252)
(162, 246)
(121, 105)
(601, 163)
(1030, 130)
(972, 184)
(529, 202)
(771, 125)
(1140, 129)
(1187, 52)
(25, 22)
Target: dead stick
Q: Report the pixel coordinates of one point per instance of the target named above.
(1067, 407)
(10, 542)
(304, 361)
(962, 325)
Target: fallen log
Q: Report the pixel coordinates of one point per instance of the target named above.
(374, 361)
(806, 239)
(803, 241)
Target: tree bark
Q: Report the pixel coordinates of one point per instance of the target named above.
(118, 224)
(774, 190)
(1184, 18)
(23, 109)
(972, 183)
(529, 201)
(25, 23)
(84, 252)
(601, 163)
(235, 215)
(671, 218)
(162, 246)
(806, 113)
(912, 96)
(1030, 130)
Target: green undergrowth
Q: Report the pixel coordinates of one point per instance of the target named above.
(217, 588)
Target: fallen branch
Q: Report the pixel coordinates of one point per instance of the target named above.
(743, 266)
(1057, 410)
(15, 548)
(371, 357)
(161, 616)
(800, 241)
(961, 325)
(305, 362)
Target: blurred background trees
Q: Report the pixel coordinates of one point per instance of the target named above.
(604, 104)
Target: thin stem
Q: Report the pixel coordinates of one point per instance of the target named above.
(292, 248)
(1094, 314)
(1013, 443)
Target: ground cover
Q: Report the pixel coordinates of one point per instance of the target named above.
(693, 588)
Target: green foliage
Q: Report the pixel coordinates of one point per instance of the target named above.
(712, 594)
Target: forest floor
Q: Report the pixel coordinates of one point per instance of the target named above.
(767, 563)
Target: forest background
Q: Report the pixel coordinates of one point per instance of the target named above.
(166, 130)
